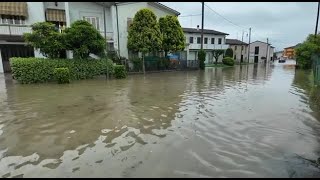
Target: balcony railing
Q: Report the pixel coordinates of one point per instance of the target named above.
(208, 46)
(14, 30)
(109, 35)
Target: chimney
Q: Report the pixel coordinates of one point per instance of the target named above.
(197, 27)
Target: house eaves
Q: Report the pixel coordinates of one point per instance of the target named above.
(205, 31)
(155, 4)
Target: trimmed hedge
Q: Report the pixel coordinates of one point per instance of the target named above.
(62, 75)
(40, 70)
(201, 58)
(120, 72)
(228, 61)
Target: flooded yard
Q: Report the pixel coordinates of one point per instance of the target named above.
(242, 121)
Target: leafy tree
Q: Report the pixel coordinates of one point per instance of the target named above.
(82, 38)
(173, 36)
(201, 58)
(46, 38)
(229, 53)
(305, 51)
(216, 53)
(144, 34)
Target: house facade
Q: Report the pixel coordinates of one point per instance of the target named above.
(126, 12)
(211, 40)
(289, 52)
(260, 52)
(111, 19)
(240, 49)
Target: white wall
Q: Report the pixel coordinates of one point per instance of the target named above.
(209, 36)
(51, 5)
(79, 9)
(262, 51)
(128, 10)
(36, 12)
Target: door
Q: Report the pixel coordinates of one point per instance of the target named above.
(241, 59)
(13, 50)
(256, 59)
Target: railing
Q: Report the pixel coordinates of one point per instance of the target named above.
(14, 30)
(109, 35)
(208, 46)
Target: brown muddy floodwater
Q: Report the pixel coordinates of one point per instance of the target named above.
(243, 121)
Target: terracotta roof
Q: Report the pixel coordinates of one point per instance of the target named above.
(205, 31)
(235, 42)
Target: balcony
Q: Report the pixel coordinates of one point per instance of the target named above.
(209, 46)
(109, 36)
(14, 30)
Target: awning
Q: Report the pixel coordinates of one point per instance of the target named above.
(14, 8)
(56, 15)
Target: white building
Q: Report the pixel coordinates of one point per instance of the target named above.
(110, 18)
(211, 40)
(260, 52)
(126, 12)
(240, 49)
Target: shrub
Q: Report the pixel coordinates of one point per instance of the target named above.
(120, 71)
(201, 58)
(82, 38)
(40, 70)
(137, 64)
(46, 38)
(228, 61)
(62, 75)
(229, 52)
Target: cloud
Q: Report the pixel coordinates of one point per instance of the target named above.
(284, 23)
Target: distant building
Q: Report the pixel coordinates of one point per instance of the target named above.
(289, 51)
(259, 50)
(240, 49)
(278, 54)
(211, 40)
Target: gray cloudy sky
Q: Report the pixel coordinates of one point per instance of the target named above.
(284, 23)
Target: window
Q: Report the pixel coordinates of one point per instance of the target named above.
(93, 20)
(235, 48)
(129, 23)
(241, 48)
(190, 40)
(235, 57)
(198, 40)
(219, 40)
(206, 40)
(212, 40)
(56, 3)
(256, 50)
(9, 19)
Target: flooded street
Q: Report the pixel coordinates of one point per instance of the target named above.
(242, 121)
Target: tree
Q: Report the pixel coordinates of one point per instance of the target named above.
(305, 51)
(144, 34)
(82, 38)
(201, 58)
(229, 53)
(46, 38)
(216, 53)
(173, 36)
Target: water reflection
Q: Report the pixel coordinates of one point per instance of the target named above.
(221, 122)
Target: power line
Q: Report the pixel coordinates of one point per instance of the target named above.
(191, 15)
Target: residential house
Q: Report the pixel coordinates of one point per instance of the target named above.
(126, 12)
(279, 54)
(17, 18)
(289, 52)
(240, 49)
(211, 40)
(260, 52)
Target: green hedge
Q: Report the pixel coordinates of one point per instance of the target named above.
(40, 70)
(201, 58)
(120, 71)
(62, 75)
(228, 61)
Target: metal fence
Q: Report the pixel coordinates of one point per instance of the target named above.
(316, 68)
(158, 64)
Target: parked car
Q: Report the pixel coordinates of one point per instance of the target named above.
(282, 60)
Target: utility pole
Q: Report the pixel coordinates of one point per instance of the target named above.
(202, 26)
(241, 58)
(315, 32)
(267, 50)
(249, 45)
